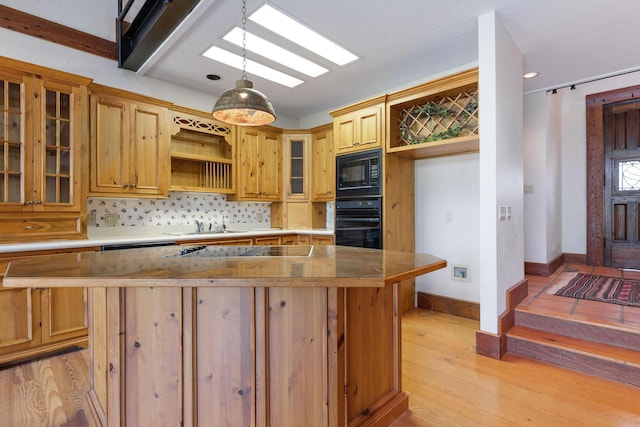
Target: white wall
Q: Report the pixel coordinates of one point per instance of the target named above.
(542, 178)
(501, 168)
(447, 223)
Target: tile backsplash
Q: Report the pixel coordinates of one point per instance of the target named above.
(179, 209)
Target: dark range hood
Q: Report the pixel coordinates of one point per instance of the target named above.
(154, 22)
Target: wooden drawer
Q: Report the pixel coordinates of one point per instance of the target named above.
(17, 228)
(268, 241)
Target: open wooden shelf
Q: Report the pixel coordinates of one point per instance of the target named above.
(202, 155)
(447, 108)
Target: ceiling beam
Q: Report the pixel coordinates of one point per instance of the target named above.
(35, 26)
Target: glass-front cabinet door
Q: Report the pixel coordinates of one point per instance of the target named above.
(55, 181)
(12, 140)
(37, 137)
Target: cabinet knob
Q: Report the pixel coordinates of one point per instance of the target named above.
(132, 185)
(126, 185)
(37, 202)
(28, 202)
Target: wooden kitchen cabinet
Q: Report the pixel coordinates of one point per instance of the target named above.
(359, 127)
(129, 146)
(37, 321)
(323, 164)
(42, 128)
(259, 160)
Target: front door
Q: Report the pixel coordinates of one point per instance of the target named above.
(622, 184)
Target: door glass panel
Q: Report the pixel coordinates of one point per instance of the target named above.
(51, 189)
(2, 100)
(2, 132)
(65, 106)
(51, 132)
(14, 188)
(629, 175)
(65, 136)
(14, 163)
(296, 148)
(296, 186)
(14, 97)
(51, 104)
(14, 127)
(65, 164)
(52, 161)
(65, 190)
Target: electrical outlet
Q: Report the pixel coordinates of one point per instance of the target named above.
(111, 220)
(259, 216)
(91, 220)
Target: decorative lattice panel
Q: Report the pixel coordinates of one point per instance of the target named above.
(439, 119)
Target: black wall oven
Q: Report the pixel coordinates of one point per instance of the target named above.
(358, 208)
(359, 222)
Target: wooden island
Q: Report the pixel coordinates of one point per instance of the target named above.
(239, 336)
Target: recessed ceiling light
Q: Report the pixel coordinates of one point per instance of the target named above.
(530, 75)
(235, 61)
(291, 29)
(269, 50)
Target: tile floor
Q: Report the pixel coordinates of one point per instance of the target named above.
(611, 315)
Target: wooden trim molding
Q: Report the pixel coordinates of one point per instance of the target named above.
(575, 258)
(495, 345)
(34, 26)
(456, 307)
(540, 269)
(595, 167)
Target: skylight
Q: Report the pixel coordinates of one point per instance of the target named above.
(276, 53)
(235, 61)
(291, 29)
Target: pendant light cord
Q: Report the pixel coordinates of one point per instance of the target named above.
(244, 39)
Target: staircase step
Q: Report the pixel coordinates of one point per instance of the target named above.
(602, 360)
(617, 335)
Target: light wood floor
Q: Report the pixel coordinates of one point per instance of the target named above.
(448, 385)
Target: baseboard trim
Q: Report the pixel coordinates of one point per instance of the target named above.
(456, 307)
(540, 269)
(495, 345)
(575, 258)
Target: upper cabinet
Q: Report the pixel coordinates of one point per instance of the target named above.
(42, 117)
(437, 118)
(296, 165)
(129, 146)
(259, 160)
(359, 127)
(323, 164)
(202, 154)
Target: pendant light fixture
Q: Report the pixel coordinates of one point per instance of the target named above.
(243, 105)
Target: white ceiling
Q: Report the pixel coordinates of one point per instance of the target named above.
(399, 42)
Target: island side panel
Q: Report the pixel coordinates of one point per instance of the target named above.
(372, 371)
(153, 361)
(225, 356)
(297, 381)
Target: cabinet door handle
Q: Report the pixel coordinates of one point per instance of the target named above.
(125, 185)
(33, 227)
(28, 202)
(37, 202)
(132, 185)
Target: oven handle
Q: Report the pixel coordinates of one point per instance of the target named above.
(356, 229)
(357, 219)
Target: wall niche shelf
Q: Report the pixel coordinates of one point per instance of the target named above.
(437, 118)
(202, 155)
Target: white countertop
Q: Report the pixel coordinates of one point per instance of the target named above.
(100, 236)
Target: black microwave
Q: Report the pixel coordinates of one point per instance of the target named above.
(359, 174)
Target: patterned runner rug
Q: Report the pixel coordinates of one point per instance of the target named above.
(602, 288)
